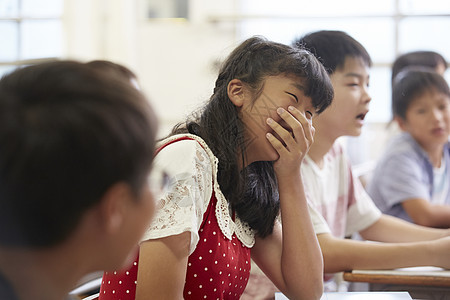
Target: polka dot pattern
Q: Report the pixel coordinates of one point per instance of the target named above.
(219, 268)
(120, 285)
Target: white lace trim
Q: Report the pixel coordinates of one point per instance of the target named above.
(242, 230)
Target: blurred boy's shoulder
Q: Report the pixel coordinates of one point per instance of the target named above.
(403, 147)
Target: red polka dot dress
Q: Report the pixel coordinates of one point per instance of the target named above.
(219, 268)
(120, 284)
(219, 261)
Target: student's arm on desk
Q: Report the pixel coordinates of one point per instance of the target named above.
(425, 213)
(345, 254)
(389, 229)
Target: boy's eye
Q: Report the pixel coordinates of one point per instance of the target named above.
(444, 106)
(421, 111)
(309, 115)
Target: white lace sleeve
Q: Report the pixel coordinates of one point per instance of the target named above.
(181, 209)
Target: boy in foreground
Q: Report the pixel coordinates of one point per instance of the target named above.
(76, 147)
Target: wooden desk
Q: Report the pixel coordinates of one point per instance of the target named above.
(417, 276)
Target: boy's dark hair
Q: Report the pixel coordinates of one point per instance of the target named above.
(253, 192)
(332, 48)
(428, 59)
(412, 83)
(112, 67)
(67, 134)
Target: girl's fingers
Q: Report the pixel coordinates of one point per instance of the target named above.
(284, 143)
(297, 116)
(276, 143)
(286, 136)
(299, 125)
(282, 133)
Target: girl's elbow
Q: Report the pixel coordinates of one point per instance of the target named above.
(313, 292)
(317, 291)
(318, 287)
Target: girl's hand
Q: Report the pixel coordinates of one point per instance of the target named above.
(294, 143)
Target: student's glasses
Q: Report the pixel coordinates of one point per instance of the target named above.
(159, 181)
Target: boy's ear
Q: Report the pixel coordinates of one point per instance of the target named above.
(235, 90)
(113, 207)
(401, 122)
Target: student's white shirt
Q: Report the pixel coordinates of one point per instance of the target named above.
(441, 184)
(336, 197)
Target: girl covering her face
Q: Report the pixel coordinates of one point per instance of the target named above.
(233, 167)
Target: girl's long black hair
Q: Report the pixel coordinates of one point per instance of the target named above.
(253, 191)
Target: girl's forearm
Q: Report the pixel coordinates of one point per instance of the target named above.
(301, 259)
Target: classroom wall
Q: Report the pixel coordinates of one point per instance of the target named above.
(175, 60)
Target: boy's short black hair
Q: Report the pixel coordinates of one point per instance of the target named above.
(412, 83)
(112, 67)
(332, 48)
(67, 134)
(428, 59)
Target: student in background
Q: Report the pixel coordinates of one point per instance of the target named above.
(76, 151)
(412, 178)
(236, 166)
(414, 59)
(333, 191)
